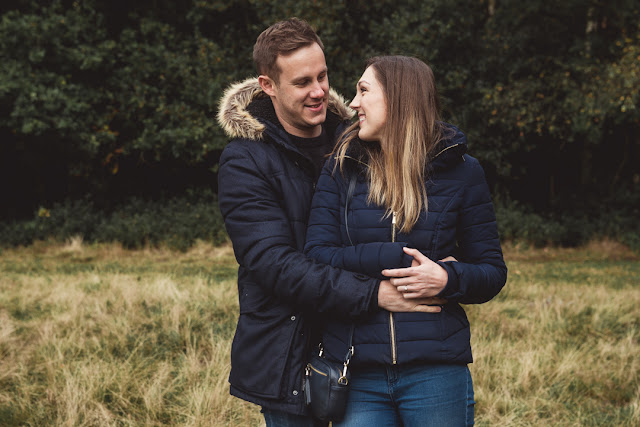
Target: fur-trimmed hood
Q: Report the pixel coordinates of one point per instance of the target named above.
(239, 121)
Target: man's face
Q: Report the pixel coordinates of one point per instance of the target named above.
(301, 95)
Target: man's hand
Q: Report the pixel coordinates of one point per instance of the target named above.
(390, 299)
(424, 279)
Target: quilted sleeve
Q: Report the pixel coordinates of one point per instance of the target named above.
(328, 243)
(481, 272)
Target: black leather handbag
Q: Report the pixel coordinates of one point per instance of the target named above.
(326, 385)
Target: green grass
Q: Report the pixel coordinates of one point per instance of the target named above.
(94, 335)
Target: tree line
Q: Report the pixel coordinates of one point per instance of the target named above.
(117, 99)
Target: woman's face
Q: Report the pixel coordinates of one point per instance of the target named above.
(371, 106)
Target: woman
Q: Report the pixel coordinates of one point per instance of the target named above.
(412, 196)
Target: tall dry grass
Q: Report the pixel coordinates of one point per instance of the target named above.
(99, 336)
(93, 335)
(560, 344)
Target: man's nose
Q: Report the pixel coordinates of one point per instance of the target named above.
(317, 91)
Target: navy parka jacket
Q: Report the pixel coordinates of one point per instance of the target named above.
(265, 189)
(460, 222)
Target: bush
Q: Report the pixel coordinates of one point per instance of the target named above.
(619, 218)
(516, 223)
(180, 221)
(520, 224)
(176, 222)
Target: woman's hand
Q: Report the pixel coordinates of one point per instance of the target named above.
(424, 279)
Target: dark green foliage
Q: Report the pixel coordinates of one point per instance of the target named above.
(87, 101)
(613, 217)
(516, 223)
(118, 100)
(176, 222)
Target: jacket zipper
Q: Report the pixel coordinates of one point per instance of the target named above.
(392, 326)
(445, 149)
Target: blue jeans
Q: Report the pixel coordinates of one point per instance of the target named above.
(409, 396)
(283, 419)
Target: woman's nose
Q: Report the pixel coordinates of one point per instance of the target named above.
(355, 103)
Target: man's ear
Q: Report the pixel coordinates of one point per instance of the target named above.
(268, 86)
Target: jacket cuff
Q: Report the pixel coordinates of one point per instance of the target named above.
(406, 259)
(373, 305)
(393, 256)
(386, 256)
(451, 290)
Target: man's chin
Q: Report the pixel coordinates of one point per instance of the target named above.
(318, 118)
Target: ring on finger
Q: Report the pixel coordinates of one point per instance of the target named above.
(406, 289)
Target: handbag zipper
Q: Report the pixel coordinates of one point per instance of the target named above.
(392, 326)
(310, 366)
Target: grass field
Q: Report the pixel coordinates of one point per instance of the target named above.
(100, 336)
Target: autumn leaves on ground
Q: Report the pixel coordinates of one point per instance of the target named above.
(94, 335)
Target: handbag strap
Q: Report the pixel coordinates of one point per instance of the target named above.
(347, 358)
(350, 190)
(352, 186)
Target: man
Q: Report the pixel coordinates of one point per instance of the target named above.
(282, 125)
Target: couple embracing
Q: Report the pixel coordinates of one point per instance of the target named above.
(370, 232)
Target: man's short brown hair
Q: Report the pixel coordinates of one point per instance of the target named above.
(282, 38)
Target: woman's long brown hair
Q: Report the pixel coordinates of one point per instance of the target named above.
(397, 165)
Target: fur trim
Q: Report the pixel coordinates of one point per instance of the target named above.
(237, 122)
(338, 105)
(233, 116)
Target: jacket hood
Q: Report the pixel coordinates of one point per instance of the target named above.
(239, 121)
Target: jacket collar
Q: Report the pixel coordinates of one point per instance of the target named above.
(449, 151)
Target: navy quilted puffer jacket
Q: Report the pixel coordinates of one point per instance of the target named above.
(460, 222)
